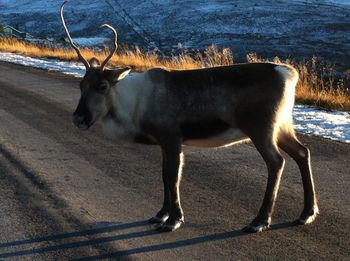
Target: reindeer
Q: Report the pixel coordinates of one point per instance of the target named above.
(210, 107)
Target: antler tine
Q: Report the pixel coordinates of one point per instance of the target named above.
(81, 58)
(115, 45)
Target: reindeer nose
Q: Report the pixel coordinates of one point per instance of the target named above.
(78, 120)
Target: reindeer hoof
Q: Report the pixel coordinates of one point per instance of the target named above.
(256, 227)
(158, 220)
(171, 226)
(308, 216)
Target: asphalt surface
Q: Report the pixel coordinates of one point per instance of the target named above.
(70, 194)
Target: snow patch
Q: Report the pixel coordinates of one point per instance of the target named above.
(328, 124)
(89, 41)
(343, 2)
(307, 120)
(72, 68)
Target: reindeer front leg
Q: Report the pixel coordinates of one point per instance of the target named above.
(171, 214)
(163, 213)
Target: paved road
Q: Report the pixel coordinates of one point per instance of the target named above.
(69, 194)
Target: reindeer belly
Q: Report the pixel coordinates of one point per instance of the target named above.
(226, 138)
(214, 133)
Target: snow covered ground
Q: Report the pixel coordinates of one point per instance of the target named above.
(90, 41)
(308, 120)
(332, 125)
(343, 2)
(73, 68)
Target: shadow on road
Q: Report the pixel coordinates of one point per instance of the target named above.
(77, 244)
(75, 234)
(101, 240)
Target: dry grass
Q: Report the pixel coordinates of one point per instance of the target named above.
(134, 58)
(318, 85)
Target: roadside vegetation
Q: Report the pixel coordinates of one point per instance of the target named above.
(318, 86)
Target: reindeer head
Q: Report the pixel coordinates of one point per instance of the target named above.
(96, 84)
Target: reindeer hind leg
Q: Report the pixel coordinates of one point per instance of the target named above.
(292, 146)
(265, 144)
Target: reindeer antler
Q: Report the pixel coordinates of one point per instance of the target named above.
(115, 45)
(81, 58)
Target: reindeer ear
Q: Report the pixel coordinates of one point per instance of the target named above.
(124, 72)
(114, 76)
(94, 62)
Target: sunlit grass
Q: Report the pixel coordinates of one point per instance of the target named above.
(134, 58)
(317, 86)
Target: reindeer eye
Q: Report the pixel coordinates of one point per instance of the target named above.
(102, 87)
